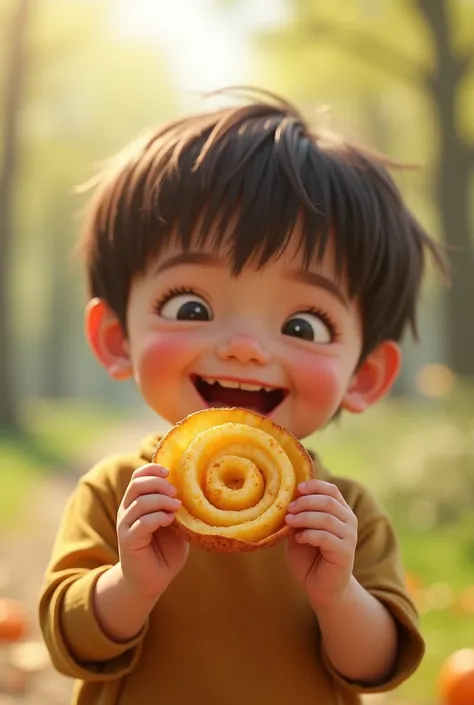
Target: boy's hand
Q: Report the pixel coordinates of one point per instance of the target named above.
(150, 554)
(321, 549)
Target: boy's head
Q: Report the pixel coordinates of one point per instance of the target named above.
(239, 246)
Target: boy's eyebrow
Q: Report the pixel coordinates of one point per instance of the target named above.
(305, 276)
(190, 258)
(210, 259)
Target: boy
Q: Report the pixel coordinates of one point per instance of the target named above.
(236, 259)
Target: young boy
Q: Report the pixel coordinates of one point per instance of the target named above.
(234, 258)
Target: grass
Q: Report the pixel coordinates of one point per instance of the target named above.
(443, 564)
(439, 554)
(52, 436)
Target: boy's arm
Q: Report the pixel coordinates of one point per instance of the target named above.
(359, 635)
(85, 550)
(371, 640)
(120, 612)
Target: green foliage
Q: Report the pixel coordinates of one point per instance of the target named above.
(90, 88)
(431, 472)
(53, 434)
(361, 66)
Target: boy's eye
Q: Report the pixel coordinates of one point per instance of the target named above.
(308, 326)
(186, 307)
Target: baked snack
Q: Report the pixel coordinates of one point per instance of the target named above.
(235, 472)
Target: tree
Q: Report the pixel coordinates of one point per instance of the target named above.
(441, 69)
(91, 87)
(16, 67)
(452, 180)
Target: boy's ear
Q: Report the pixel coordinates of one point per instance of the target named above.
(107, 339)
(373, 378)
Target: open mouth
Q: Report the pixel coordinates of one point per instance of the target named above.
(247, 395)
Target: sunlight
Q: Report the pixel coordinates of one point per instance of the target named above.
(204, 48)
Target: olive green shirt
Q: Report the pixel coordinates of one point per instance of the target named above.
(230, 629)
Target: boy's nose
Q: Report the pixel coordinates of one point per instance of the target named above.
(243, 348)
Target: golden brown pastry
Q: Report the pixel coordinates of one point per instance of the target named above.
(235, 472)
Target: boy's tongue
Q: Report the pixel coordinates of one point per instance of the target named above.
(225, 396)
(260, 401)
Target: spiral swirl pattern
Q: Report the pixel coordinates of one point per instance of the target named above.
(235, 472)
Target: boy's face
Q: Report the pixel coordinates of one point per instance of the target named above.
(279, 340)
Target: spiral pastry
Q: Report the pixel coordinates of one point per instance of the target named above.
(235, 472)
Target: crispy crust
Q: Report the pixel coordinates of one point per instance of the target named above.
(226, 544)
(170, 449)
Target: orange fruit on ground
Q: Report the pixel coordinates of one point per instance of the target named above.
(13, 620)
(456, 678)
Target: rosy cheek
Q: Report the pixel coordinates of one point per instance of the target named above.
(317, 379)
(165, 355)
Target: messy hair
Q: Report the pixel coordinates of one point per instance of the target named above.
(243, 176)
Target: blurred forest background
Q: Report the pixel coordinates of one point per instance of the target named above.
(79, 78)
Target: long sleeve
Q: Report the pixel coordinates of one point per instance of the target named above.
(85, 547)
(378, 568)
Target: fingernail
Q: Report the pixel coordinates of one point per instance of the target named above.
(303, 485)
(176, 502)
(292, 505)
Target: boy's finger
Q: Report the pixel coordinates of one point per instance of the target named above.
(320, 503)
(317, 520)
(320, 539)
(150, 469)
(147, 485)
(149, 523)
(149, 504)
(322, 487)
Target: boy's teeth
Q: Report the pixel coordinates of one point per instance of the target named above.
(228, 383)
(250, 387)
(232, 384)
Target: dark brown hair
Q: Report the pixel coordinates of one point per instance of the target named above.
(260, 167)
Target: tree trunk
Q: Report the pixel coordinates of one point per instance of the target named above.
(54, 340)
(452, 187)
(15, 70)
(452, 191)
